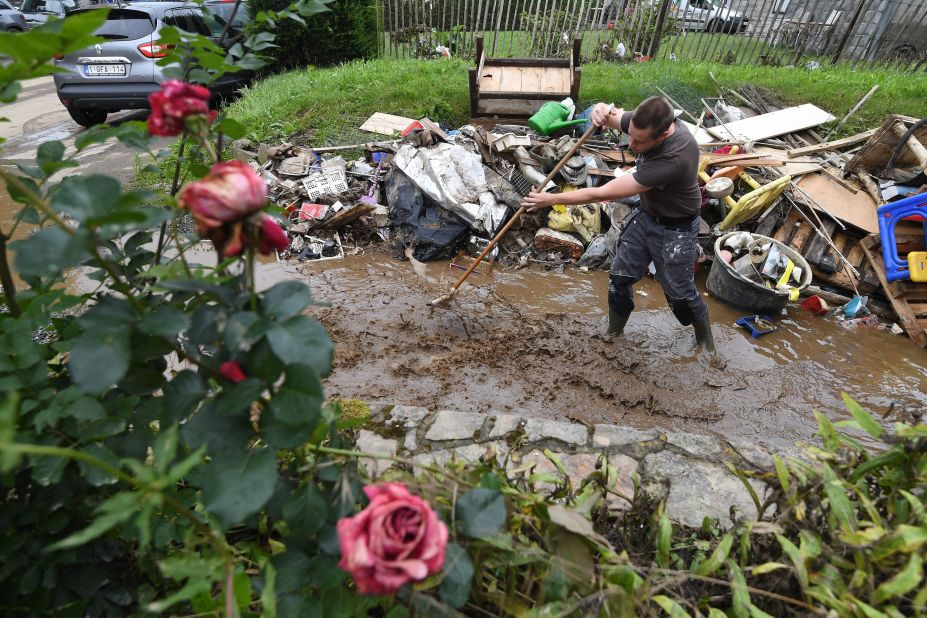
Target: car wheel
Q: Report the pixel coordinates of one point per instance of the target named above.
(87, 117)
(715, 25)
(14, 29)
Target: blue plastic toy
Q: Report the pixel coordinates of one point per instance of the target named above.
(913, 208)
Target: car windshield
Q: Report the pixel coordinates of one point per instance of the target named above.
(125, 25)
(5, 5)
(59, 7)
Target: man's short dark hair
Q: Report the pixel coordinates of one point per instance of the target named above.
(655, 114)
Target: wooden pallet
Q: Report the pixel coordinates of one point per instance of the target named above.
(798, 234)
(909, 299)
(517, 87)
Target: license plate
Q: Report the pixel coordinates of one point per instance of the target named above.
(105, 69)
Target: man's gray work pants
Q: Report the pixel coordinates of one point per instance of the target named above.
(673, 249)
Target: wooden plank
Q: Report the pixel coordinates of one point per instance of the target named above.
(918, 309)
(531, 78)
(819, 245)
(856, 209)
(834, 145)
(701, 136)
(490, 79)
(906, 316)
(774, 124)
(386, 124)
(800, 239)
(512, 108)
(528, 62)
(793, 168)
(511, 79)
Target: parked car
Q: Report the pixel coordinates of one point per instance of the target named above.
(122, 71)
(37, 12)
(11, 19)
(708, 15)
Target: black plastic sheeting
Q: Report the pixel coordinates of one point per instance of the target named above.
(433, 232)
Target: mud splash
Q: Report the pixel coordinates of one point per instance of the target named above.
(527, 341)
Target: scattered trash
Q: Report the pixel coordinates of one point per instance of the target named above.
(758, 325)
(550, 240)
(816, 305)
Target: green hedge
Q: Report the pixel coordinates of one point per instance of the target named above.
(347, 32)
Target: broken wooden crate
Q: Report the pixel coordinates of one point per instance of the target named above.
(517, 87)
(909, 299)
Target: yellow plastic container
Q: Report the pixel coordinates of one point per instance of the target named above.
(917, 266)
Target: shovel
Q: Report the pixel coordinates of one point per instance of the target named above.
(518, 213)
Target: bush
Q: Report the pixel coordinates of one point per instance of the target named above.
(348, 31)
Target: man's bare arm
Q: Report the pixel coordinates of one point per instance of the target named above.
(622, 187)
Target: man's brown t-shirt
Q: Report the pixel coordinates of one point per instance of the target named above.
(671, 172)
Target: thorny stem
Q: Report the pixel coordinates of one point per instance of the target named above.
(175, 186)
(218, 543)
(250, 266)
(6, 279)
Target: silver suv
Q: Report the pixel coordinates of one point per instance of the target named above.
(122, 71)
(11, 20)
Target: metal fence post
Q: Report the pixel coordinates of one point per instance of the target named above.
(658, 32)
(846, 35)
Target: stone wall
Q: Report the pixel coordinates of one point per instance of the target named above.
(688, 469)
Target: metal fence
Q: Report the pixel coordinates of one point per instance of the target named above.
(890, 33)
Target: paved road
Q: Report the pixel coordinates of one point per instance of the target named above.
(38, 116)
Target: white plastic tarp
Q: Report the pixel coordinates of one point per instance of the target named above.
(453, 177)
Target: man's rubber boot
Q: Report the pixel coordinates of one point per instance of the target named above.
(617, 321)
(703, 337)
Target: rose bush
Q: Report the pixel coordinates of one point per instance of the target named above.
(396, 540)
(174, 103)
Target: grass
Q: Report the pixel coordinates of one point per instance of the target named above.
(332, 103)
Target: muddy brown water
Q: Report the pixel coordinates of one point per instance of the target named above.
(525, 341)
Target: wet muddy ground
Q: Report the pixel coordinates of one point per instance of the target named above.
(525, 341)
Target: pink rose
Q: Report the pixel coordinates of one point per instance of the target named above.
(232, 372)
(395, 540)
(231, 191)
(171, 106)
(271, 236)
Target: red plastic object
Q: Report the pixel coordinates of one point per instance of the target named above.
(815, 304)
(415, 125)
(312, 211)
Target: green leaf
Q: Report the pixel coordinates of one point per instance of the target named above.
(575, 522)
(8, 415)
(95, 475)
(217, 432)
(782, 472)
(481, 513)
(268, 593)
(739, 594)
(97, 363)
(47, 470)
(716, 613)
(111, 513)
(827, 432)
(236, 487)
(286, 299)
(458, 576)
(183, 394)
(664, 536)
(796, 557)
(904, 539)
(164, 321)
(671, 607)
(903, 582)
(756, 612)
(866, 422)
(305, 511)
(50, 251)
(302, 340)
(767, 567)
(717, 557)
(87, 197)
(840, 505)
(232, 128)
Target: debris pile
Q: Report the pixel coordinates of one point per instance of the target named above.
(798, 215)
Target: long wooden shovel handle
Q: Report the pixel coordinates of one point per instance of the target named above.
(521, 211)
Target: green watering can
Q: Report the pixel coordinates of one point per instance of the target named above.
(552, 117)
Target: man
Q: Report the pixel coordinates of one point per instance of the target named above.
(664, 230)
